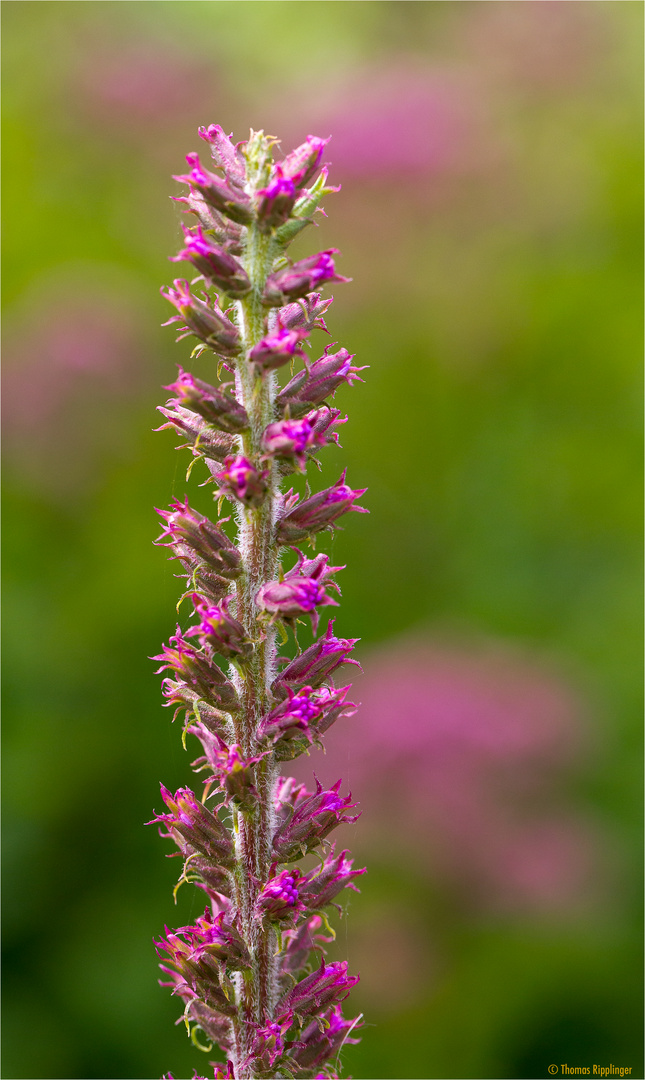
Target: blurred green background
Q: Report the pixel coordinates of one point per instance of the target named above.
(490, 216)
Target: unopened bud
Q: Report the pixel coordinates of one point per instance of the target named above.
(216, 406)
(214, 262)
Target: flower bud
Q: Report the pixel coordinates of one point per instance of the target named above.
(240, 479)
(225, 154)
(219, 630)
(213, 936)
(214, 878)
(216, 1026)
(323, 420)
(300, 278)
(318, 512)
(274, 203)
(289, 793)
(198, 673)
(201, 977)
(329, 984)
(278, 901)
(232, 771)
(267, 1047)
(305, 314)
(229, 199)
(180, 695)
(311, 821)
(277, 349)
(298, 713)
(201, 577)
(301, 591)
(216, 406)
(213, 262)
(302, 164)
(316, 663)
(305, 206)
(221, 1072)
(325, 882)
(297, 944)
(323, 1039)
(201, 972)
(225, 232)
(318, 381)
(196, 824)
(302, 718)
(292, 439)
(203, 440)
(193, 534)
(236, 778)
(205, 321)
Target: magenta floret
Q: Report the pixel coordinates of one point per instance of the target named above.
(218, 629)
(240, 479)
(312, 820)
(279, 900)
(278, 348)
(275, 201)
(217, 407)
(302, 591)
(316, 663)
(302, 164)
(301, 278)
(202, 318)
(322, 988)
(227, 198)
(202, 829)
(318, 381)
(319, 512)
(215, 263)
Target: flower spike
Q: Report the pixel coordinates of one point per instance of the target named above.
(251, 972)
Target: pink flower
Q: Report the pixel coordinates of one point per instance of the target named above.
(140, 87)
(475, 743)
(302, 590)
(407, 120)
(319, 512)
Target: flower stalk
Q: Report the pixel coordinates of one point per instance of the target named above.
(251, 971)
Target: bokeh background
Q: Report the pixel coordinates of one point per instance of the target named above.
(490, 215)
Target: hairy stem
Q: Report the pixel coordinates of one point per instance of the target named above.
(259, 553)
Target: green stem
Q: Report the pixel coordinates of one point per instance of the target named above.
(257, 990)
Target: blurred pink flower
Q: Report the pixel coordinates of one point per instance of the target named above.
(72, 357)
(140, 85)
(401, 121)
(460, 759)
(81, 335)
(407, 121)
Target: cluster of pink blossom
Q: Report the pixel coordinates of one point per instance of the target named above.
(243, 969)
(486, 742)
